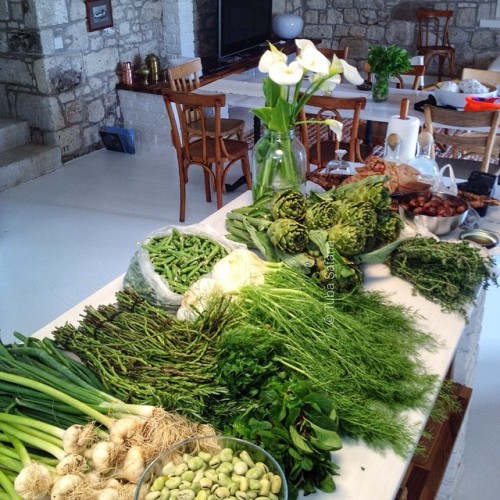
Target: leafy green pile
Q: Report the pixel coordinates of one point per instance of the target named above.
(288, 364)
(448, 273)
(320, 234)
(145, 355)
(360, 349)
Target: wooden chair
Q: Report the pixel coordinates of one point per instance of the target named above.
(482, 75)
(214, 153)
(322, 144)
(340, 53)
(433, 38)
(418, 71)
(439, 121)
(185, 78)
(373, 133)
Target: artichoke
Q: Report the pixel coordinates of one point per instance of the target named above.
(338, 273)
(321, 215)
(389, 228)
(358, 213)
(288, 204)
(348, 239)
(369, 190)
(377, 194)
(288, 235)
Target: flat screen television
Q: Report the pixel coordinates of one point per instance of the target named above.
(243, 25)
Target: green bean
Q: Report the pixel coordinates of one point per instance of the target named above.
(183, 258)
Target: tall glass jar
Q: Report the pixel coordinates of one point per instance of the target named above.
(380, 87)
(278, 162)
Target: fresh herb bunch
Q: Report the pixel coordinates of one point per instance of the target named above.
(297, 424)
(391, 60)
(448, 273)
(361, 350)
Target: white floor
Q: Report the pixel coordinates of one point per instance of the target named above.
(65, 235)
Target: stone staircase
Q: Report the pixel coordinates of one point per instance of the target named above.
(20, 160)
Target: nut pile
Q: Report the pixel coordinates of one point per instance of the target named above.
(435, 206)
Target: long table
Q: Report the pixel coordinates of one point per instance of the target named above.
(364, 473)
(245, 91)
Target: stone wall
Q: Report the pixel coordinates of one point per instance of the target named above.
(61, 77)
(359, 23)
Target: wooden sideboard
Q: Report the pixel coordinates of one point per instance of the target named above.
(239, 64)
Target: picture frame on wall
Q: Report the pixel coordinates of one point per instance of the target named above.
(99, 14)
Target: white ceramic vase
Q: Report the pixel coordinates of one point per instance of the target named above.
(287, 26)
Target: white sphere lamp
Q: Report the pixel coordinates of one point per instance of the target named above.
(287, 26)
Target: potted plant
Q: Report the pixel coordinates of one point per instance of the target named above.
(386, 62)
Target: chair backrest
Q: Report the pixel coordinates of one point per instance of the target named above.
(181, 106)
(438, 120)
(433, 27)
(185, 77)
(418, 71)
(330, 107)
(340, 53)
(482, 75)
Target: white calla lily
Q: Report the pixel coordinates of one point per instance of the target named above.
(330, 84)
(269, 58)
(351, 73)
(335, 126)
(336, 65)
(327, 85)
(284, 74)
(304, 43)
(313, 60)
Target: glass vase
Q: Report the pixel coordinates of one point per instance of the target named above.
(380, 88)
(278, 162)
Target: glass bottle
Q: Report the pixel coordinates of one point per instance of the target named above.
(424, 163)
(278, 162)
(392, 148)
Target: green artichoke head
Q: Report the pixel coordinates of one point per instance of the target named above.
(348, 239)
(377, 194)
(288, 204)
(389, 228)
(338, 273)
(288, 235)
(358, 213)
(321, 215)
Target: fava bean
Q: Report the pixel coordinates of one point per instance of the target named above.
(240, 467)
(233, 479)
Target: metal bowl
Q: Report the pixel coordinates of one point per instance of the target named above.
(437, 225)
(189, 448)
(483, 237)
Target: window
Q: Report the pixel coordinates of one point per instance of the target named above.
(492, 23)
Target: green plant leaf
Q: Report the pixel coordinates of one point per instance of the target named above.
(321, 400)
(299, 441)
(327, 485)
(326, 439)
